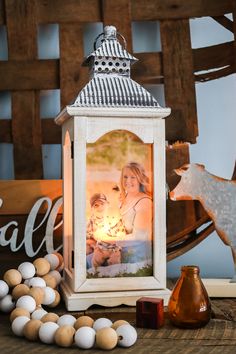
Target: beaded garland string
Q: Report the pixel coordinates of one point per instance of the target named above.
(23, 291)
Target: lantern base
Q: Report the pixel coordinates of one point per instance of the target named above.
(82, 301)
(220, 287)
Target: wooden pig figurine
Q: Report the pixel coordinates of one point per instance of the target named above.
(217, 196)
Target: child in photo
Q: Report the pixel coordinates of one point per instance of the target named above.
(101, 247)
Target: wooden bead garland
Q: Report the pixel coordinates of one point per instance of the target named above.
(30, 320)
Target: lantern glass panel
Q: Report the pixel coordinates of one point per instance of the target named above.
(119, 206)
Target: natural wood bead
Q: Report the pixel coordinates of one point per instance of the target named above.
(19, 311)
(50, 317)
(42, 266)
(106, 338)
(12, 277)
(50, 281)
(83, 321)
(20, 290)
(64, 336)
(31, 330)
(38, 294)
(118, 323)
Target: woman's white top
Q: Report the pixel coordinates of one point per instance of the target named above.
(137, 217)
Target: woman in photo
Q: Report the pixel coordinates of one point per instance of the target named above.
(136, 213)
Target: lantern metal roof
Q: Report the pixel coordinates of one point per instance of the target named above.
(110, 84)
(110, 46)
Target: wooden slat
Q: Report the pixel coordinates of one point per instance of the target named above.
(178, 9)
(26, 132)
(26, 128)
(189, 243)
(2, 13)
(225, 22)
(118, 13)
(148, 68)
(51, 132)
(61, 11)
(180, 215)
(214, 74)
(184, 234)
(20, 17)
(179, 79)
(29, 74)
(44, 74)
(72, 76)
(176, 156)
(5, 131)
(19, 196)
(216, 56)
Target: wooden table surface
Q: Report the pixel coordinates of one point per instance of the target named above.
(218, 336)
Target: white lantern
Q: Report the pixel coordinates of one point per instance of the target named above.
(113, 139)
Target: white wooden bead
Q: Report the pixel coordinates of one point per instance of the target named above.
(38, 314)
(27, 270)
(101, 323)
(37, 282)
(18, 324)
(66, 320)
(53, 260)
(47, 332)
(7, 303)
(27, 281)
(85, 337)
(127, 335)
(26, 302)
(4, 289)
(49, 296)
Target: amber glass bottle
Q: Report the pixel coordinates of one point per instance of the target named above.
(189, 305)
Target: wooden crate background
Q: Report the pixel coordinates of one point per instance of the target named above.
(178, 66)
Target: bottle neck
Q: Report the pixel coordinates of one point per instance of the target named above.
(190, 270)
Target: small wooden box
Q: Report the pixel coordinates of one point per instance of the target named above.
(149, 312)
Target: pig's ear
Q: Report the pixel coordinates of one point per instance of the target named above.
(181, 170)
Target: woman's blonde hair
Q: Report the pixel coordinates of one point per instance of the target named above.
(141, 176)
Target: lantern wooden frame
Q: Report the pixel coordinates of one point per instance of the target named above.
(82, 126)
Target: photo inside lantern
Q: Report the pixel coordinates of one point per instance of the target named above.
(119, 206)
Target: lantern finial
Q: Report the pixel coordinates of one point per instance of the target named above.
(110, 32)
